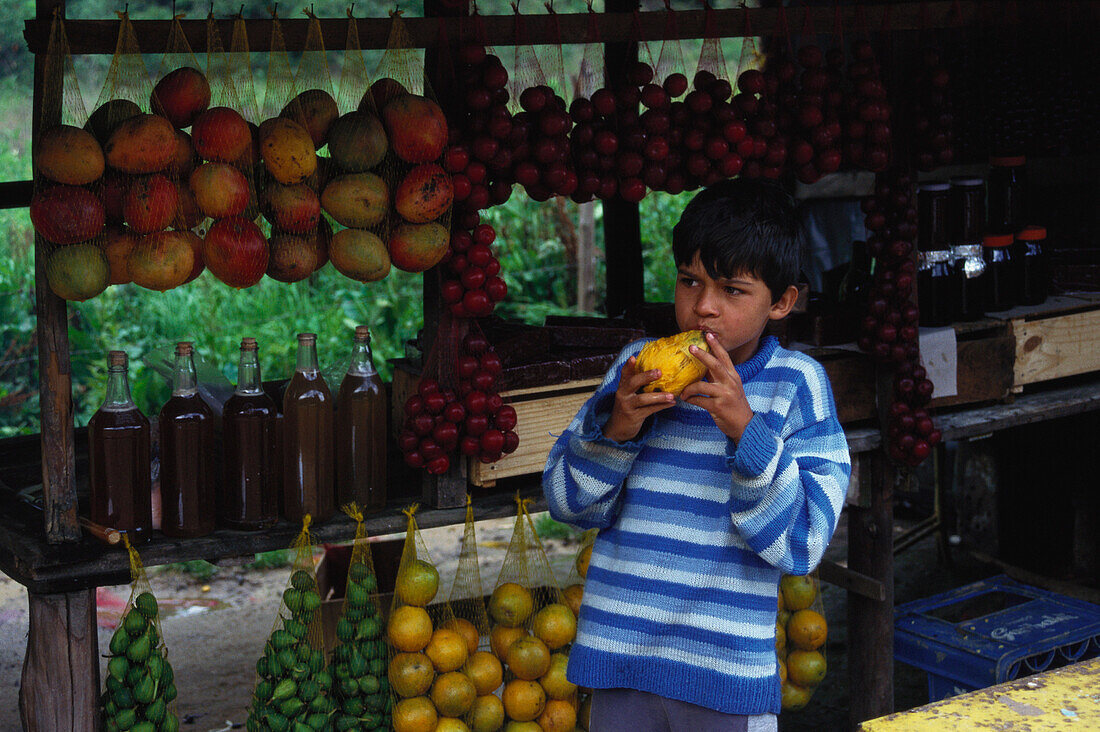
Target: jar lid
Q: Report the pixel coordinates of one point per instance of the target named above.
(967, 182)
(1008, 161)
(1032, 233)
(997, 240)
(934, 187)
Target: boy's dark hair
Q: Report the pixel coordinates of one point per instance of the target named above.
(742, 226)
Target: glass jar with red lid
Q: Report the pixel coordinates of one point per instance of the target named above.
(1034, 265)
(1002, 272)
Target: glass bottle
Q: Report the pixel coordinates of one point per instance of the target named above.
(856, 284)
(308, 465)
(1002, 272)
(249, 497)
(118, 440)
(937, 284)
(1006, 191)
(361, 430)
(966, 213)
(187, 467)
(1034, 265)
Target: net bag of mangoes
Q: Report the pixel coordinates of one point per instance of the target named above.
(293, 689)
(430, 691)
(800, 634)
(139, 687)
(533, 628)
(573, 594)
(360, 689)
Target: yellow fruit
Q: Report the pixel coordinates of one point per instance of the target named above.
(511, 604)
(501, 637)
(414, 715)
(555, 625)
(447, 649)
(782, 671)
(795, 697)
(528, 658)
(410, 674)
(467, 630)
(806, 668)
(780, 638)
(678, 367)
(487, 714)
(583, 557)
(523, 700)
(486, 671)
(417, 583)
(409, 629)
(799, 591)
(573, 595)
(554, 681)
(514, 726)
(558, 716)
(450, 724)
(453, 694)
(807, 630)
(287, 150)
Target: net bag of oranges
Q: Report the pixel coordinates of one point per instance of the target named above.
(427, 653)
(293, 689)
(532, 630)
(573, 594)
(139, 688)
(360, 690)
(800, 634)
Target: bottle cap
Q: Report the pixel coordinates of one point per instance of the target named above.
(184, 348)
(117, 358)
(248, 344)
(997, 240)
(362, 333)
(307, 337)
(1032, 233)
(1007, 161)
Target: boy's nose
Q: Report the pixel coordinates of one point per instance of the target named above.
(705, 303)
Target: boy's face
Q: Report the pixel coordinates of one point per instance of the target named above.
(735, 309)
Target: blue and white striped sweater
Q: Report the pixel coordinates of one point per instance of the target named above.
(680, 598)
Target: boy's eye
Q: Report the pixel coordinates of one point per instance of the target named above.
(733, 290)
(687, 281)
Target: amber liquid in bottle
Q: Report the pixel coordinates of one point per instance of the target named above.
(118, 439)
(361, 431)
(249, 497)
(307, 439)
(187, 472)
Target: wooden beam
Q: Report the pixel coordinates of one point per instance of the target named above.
(59, 689)
(16, 193)
(98, 36)
(852, 581)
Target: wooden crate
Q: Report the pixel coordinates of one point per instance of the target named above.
(1058, 339)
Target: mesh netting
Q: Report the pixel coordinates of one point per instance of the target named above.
(468, 593)
(140, 690)
(800, 635)
(292, 685)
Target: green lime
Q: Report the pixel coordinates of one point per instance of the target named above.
(291, 707)
(345, 630)
(317, 721)
(378, 666)
(316, 661)
(281, 639)
(295, 628)
(323, 679)
(356, 596)
(353, 706)
(302, 580)
(370, 583)
(368, 629)
(358, 571)
(276, 722)
(370, 721)
(146, 604)
(299, 671)
(345, 722)
(110, 708)
(321, 704)
(310, 601)
(287, 659)
(375, 702)
(340, 671)
(292, 598)
(308, 689)
(369, 684)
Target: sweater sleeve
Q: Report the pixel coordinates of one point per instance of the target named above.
(787, 493)
(585, 471)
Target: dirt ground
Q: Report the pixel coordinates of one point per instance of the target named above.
(215, 630)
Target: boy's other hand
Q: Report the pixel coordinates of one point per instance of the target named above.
(723, 394)
(631, 407)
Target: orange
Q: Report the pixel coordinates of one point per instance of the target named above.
(584, 556)
(450, 724)
(410, 674)
(453, 694)
(487, 714)
(447, 649)
(417, 583)
(511, 604)
(414, 715)
(573, 595)
(486, 671)
(501, 637)
(798, 591)
(780, 638)
(555, 683)
(514, 726)
(782, 671)
(780, 603)
(558, 716)
(805, 668)
(409, 629)
(467, 630)
(782, 617)
(584, 714)
(555, 625)
(807, 630)
(795, 697)
(528, 658)
(523, 700)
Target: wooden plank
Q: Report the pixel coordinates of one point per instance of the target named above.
(99, 36)
(860, 584)
(59, 690)
(1052, 348)
(852, 378)
(983, 371)
(1026, 409)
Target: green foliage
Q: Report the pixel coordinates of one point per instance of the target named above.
(548, 528)
(200, 569)
(270, 560)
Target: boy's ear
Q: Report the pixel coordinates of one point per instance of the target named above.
(783, 305)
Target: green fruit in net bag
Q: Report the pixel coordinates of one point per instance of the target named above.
(369, 684)
(134, 623)
(146, 604)
(264, 690)
(292, 598)
(302, 580)
(345, 630)
(155, 667)
(170, 724)
(323, 679)
(119, 641)
(310, 601)
(296, 628)
(144, 727)
(285, 689)
(126, 719)
(155, 712)
(145, 690)
(291, 707)
(276, 722)
(368, 629)
(281, 639)
(170, 692)
(139, 650)
(134, 675)
(287, 659)
(118, 667)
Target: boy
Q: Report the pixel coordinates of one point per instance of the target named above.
(703, 502)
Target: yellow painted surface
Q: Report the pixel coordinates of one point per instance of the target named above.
(1064, 699)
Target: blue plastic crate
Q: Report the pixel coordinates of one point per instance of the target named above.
(993, 631)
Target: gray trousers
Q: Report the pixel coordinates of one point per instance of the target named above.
(629, 710)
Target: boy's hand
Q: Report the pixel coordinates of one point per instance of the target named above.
(723, 395)
(631, 408)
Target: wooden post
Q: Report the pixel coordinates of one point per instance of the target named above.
(59, 689)
(622, 233)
